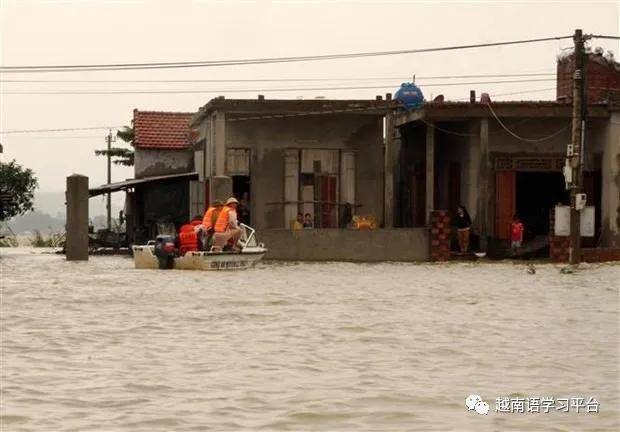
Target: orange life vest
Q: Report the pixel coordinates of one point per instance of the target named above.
(210, 218)
(222, 220)
(188, 240)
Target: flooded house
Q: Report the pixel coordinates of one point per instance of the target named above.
(398, 165)
(163, 171)
(501, 159)
(321, 158)
(318, 157)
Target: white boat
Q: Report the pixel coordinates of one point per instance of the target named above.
(251, 252)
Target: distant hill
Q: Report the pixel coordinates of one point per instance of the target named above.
(53, 203)
(36, 220)
(49, 213)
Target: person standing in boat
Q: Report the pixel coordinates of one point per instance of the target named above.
(227, 227)
(462, 222)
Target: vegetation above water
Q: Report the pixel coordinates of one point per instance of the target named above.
(17, 185)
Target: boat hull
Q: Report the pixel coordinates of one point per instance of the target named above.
(144, 258)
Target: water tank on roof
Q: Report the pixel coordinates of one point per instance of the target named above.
(410, 96)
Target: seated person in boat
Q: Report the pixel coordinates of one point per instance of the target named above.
(227, 231)
(189, 236)
(208, 222)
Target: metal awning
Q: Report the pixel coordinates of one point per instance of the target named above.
(124, 185)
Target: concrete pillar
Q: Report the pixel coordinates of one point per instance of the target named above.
(388, 195)
(430, 171)
(484, 172)
(219, 143)
(77, 218)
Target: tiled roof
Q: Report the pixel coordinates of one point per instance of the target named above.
(157, 129)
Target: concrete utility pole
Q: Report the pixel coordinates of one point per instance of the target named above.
(576, 149)
(109, 202)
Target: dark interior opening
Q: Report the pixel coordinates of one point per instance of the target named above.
(536, 194)
(241, 191)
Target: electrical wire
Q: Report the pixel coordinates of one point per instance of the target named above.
(513, 93)
(58, 130)
(605, 37)
(267, 60)
(509, 75)
(281, 89)
(248, 118)
(545, 138)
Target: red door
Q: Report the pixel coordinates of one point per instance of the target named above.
(505, 186)
(327, 196)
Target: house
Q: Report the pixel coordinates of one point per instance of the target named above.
(505, 158)
(322, 157)
(333, 159)
(163, 171)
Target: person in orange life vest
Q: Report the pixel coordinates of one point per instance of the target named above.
(227, 228)
(207, 228)
(188, 236)
(516, 233)
(211, 215)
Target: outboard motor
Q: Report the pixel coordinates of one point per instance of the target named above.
(164, 251)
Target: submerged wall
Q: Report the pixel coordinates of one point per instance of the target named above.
(401, 244)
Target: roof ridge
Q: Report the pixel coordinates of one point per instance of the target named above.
(136, 110)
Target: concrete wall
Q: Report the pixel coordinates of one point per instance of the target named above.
(155, 162)
(400, 244)
(611, 182)
(268, 139)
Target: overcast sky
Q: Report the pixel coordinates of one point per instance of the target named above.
(95, 32)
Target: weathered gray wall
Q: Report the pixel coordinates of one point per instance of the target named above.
(611, 182)
(399, 244)
(156, 162)
(267, 140)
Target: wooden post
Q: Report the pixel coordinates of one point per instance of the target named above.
(430, 171)
(388, 206)
(77, 218)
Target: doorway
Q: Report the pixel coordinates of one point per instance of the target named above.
(241, 191)
(536, 194)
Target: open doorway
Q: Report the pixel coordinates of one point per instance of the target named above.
(536, 194)
(241, 191)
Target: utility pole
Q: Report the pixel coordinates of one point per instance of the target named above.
(109, 202)
(575, 151)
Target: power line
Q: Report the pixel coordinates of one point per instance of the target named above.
(58, 130)
(605, 37)
(252, 118)
(531, 140)
(267, 60)
(508, 75)
(514, 93)
(282, 89)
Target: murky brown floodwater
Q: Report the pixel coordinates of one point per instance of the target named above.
(101, 346)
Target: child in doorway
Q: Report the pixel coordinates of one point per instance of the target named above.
(516, 234)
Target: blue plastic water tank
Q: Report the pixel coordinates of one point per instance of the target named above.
(410, 96)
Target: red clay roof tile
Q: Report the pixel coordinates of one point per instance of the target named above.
(157, 129)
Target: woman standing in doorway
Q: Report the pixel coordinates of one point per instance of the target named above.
(463, 227)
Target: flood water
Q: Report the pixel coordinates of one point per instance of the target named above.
(99, 346)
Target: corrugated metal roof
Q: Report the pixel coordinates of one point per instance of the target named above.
(114, 187)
